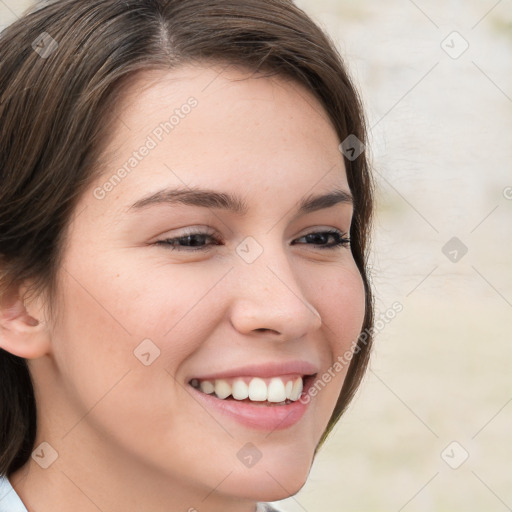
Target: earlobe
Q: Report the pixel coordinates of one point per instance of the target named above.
(20, 333)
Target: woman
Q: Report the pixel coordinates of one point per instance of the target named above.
(185, 207)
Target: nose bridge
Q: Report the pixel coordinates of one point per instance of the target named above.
(268, 294)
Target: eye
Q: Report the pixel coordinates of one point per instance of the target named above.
(191, 241)
(195, 240)
(320, 237)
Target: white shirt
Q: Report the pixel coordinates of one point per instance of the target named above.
(11, 502)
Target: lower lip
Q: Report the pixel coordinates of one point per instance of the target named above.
(261, 417)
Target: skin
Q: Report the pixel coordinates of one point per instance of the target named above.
(129, 436)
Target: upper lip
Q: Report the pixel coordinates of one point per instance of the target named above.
(264, 370)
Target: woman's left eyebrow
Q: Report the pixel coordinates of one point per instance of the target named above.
(208, 198)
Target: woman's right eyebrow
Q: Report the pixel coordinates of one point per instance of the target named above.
(208, 198)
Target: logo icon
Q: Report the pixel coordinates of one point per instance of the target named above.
(454, 45)
(454, 250)
(249, 455)
(146, 352)
(45, 455)
(454, 455)
(44, 45)
(351, 147)
(249, 249)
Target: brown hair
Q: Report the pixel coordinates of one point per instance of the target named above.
(63, 66)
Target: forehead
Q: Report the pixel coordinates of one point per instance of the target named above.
(222, 128)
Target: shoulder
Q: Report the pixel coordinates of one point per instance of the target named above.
(9, 500)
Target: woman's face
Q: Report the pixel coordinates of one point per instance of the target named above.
(248, 297)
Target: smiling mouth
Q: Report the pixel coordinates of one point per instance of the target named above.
(279, 390)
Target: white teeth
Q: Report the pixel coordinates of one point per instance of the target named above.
(296, 390)
(288, 388)
(276, 391)
(257, 390)
(207, 387)
(222, 388)
(240, 390)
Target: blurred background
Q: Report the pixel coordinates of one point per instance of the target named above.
(431, 427)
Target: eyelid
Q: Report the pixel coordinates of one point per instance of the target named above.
(195, 230)
(206, 230)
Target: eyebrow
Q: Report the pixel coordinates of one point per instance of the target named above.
(230, 202)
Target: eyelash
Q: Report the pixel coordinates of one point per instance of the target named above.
(169, 243)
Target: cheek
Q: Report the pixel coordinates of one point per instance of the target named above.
(117, 301)
(176, 307)
(100, 345)
(342, 299)
(140, 317)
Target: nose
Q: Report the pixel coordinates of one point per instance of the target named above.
(268, 298)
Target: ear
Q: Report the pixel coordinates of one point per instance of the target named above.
(21, 333)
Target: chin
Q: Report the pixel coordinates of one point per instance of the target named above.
(272, 480)
(267, 488)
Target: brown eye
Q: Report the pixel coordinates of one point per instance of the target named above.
(192, 241)
(320, 238)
